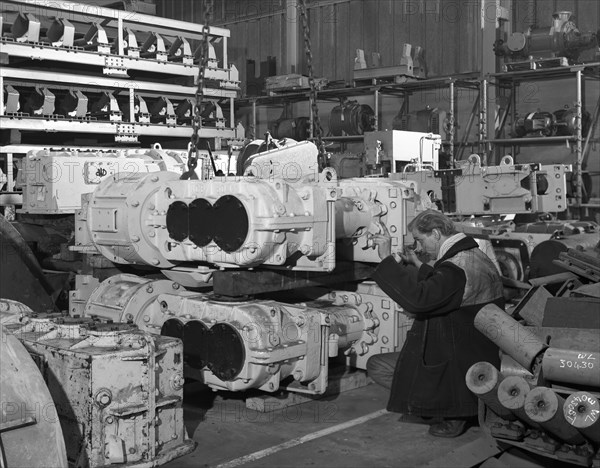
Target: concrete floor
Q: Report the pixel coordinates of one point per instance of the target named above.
(350, 429)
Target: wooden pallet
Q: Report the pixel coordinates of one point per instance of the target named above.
(340, 380)
(536, 64)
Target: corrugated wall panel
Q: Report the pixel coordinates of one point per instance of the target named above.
(449, 30)
(384, 31)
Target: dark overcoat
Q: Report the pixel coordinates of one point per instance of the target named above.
(429, 379)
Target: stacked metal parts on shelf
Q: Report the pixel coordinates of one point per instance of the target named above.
(87, 79)
(113, 50)
(545, 397)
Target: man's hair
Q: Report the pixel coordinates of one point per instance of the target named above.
(429, 220)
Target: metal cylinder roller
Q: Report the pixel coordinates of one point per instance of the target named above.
(545, 407)
(582, 411)
(511, 337)
(572, 367)
(512, 392)
(483, 380)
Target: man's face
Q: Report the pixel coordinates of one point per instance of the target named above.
(430, 243)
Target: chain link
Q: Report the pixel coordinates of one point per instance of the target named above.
(317, 129)
(197, 119)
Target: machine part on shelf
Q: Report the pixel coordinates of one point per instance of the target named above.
(28, 413)
(95, 39)
(483, 380)
(562, 39)
(130, 45)
(26, 28)
(115, 55)
(106, 107)
(154, 47)
(53, 181)
(427, 120)
(40, 102)
(11, 104)
(545, 407)
(73, 104)
(184, 111)
(286, 159)
(61, 33)
(180, 51)
(110, 384)
(571, 367)
(510, 336)
(162, 111)
(512, 392)
(582, 411)
(508, 188)
(410, 64)
(398, 151)
(141, 113)
(566, 121)
(298, 129)
(351, 118)
(535, 124)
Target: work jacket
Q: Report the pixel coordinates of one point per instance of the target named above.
(429, 379)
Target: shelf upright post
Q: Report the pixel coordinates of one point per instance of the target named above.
(376, 96)
(578, 147)
(483, 113)
(451, 124)
(253, 130)
(120, 48)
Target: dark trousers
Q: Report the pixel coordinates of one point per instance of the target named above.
(381, 368)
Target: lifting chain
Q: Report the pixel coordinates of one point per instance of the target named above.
(317, 129)
(197, 120)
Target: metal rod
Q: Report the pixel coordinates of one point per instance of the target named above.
(571, 367)
(516, 141)
(582, 411)
(545, 407)
(483, 379)
(512, 392)
(509, 335)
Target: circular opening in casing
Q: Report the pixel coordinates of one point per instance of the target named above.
(177, 221)
(226, 351)
(201, 219)
(196, 343)
(230, 223)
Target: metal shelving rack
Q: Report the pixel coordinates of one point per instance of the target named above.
(68, 47)
(401, 90)
(511, 80)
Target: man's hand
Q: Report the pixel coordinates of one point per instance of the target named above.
(383, 241)
(410, 257)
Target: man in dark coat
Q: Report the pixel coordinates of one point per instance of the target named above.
(427, 377)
